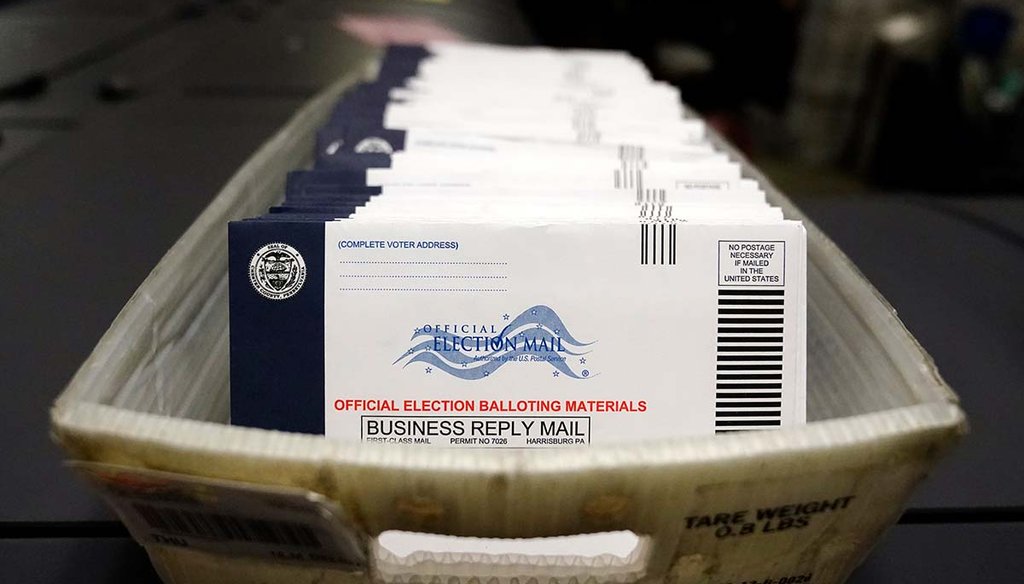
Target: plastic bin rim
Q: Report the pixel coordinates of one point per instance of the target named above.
(76, 421)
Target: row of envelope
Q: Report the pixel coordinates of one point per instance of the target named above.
(522, 224)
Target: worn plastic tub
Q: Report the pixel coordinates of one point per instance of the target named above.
(153, 396)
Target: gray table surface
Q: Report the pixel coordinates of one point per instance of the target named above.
(114, 560)
(956, 553)
(956, 282)
(912, 554)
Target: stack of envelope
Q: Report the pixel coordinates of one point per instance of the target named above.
(507, 247)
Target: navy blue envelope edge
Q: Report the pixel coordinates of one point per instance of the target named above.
(277, 348)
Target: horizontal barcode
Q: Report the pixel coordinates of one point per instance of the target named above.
(748, 385)
(217, 526)
(751, 292)
(750, 301)
(749, 321)
(748, 395)
(734, 367)
(749, 339)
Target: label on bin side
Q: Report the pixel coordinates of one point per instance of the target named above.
(532, 336)
(227, 517)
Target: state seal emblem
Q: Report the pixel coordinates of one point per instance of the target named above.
(373, 144)
(277, 271)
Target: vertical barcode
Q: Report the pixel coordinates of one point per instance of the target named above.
(631, 153)
(630, 175)
(748, 384)
(657, 244)
(656, 196)
(217, 526)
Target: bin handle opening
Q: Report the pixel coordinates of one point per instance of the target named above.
(614, 557)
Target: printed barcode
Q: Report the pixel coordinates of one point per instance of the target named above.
(748, 385)
(657, 244)
(631, 153)
(630, 175)
(583, 121)
(216, 526)
(651, 196)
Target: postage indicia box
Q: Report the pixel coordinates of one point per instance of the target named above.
(518, 334)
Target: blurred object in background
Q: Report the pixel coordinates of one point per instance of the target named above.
(949, 118)
(383, 30)
(726, 56)
(829, 78)
(834, 95)
(902, 95)
(827, 96)
(915, 95)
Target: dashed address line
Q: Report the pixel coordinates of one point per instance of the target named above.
(424, 276)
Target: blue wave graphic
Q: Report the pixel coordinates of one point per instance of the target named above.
(545, 317)
(536, 326)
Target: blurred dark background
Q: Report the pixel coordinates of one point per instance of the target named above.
(834, 94)
(826, 95)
